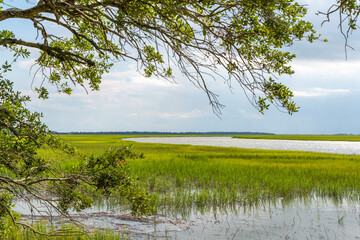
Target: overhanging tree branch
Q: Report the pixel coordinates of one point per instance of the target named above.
(242, 38)
(52, 51)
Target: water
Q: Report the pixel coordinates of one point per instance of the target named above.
(341, 147)
(316, 219)
(319, 219)
(104, 217)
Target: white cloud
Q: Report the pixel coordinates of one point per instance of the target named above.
(132, 78)
(26, 64)
(91, 123)
(318, 92)
(249, 115)
(323, 77)
(133, 115)
(340, 69)
(118, 90)
(183, 115)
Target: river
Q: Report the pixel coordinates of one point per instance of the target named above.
(341, 147)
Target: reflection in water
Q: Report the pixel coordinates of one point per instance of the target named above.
(319, 219)
(315, 219)
(341, 147)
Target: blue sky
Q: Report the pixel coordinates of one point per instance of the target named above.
(326, 88)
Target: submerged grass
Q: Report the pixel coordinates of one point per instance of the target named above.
(66, 232)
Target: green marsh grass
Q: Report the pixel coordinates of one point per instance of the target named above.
(184, 177)
(66, 232)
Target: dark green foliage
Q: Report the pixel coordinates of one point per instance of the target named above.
(108, 169)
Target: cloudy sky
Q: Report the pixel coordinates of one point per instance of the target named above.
(326, 88)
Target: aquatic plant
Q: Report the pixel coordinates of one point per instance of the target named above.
(183, 178)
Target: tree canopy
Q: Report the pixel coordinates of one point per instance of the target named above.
(202, 38)
(243, 38)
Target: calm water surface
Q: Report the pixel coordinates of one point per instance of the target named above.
(315, 219)
(341, 147)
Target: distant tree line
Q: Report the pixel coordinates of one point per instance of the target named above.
(167, 133)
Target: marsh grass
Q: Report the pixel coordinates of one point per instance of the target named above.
(65, 232)
(184, 177)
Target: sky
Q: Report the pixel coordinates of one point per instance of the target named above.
(325, 84)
